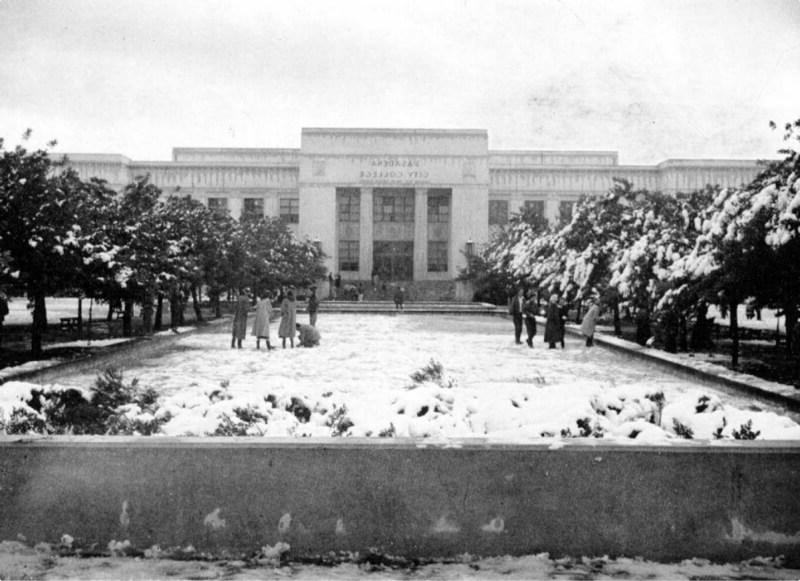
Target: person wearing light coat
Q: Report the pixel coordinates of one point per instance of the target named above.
(286, 330)
(261, 323)
(589, 323)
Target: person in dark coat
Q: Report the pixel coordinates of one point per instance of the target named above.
(313, 307)
(286, 329)
(515, 307)
(240, 318)
(563, 311)
(529, 309)
(553, 328)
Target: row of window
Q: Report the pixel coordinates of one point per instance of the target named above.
(289, 210)
(498, 211)
(393, 205)
(349, 252)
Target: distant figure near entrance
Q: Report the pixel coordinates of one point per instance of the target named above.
(313, 307)
(399, 298)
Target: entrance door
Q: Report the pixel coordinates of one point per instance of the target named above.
(394, 261)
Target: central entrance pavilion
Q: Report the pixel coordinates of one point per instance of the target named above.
(396, 195)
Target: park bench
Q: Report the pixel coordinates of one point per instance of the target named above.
(69, 323)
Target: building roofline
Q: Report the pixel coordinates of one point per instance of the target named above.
(395, 131)
(552, 151)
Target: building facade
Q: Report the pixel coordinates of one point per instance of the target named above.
(405, 204)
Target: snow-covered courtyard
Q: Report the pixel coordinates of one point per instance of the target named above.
(358, 383)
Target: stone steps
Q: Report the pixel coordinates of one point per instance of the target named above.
(440, 307)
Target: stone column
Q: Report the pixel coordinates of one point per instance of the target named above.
(551, 207)
(366, 232)
(235, 205)
(420, 233)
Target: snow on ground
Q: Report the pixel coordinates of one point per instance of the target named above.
(18, 561)
(357, 383)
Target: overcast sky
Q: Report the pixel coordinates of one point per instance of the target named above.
(650, 79)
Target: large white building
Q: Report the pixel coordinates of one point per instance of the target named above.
(406, 204)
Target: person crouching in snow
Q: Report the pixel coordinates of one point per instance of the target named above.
(261, 323)
(589, 323)
(307, 336)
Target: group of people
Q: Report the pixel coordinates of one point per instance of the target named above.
(307, 335)
(524, 308)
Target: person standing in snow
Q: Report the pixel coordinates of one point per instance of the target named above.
(552, 329)
(589, 323)
(563, 311)
(261, 323)
(313, 307)
(288, 315)
(515, 307)
(240, 318)
(529, 317)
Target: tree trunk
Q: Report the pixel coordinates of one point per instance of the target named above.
(733, 306)
(39, 322)
(175, 309)
(642, 326)
(198, 314)
(147, 314)
(216, 304)
(578, 308)
(790, 312)
(158, 324)
(127, 318)
(80, 317)
(617, 320)
(683, 331)
(89, 330)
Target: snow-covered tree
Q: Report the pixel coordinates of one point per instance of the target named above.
(45, 214)
(748, 243)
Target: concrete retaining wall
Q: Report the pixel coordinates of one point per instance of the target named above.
(233, 496)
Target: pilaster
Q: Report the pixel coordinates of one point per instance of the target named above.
(420, 233)
(366, 230)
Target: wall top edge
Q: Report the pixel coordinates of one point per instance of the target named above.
(549, 445)
(92, 157)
